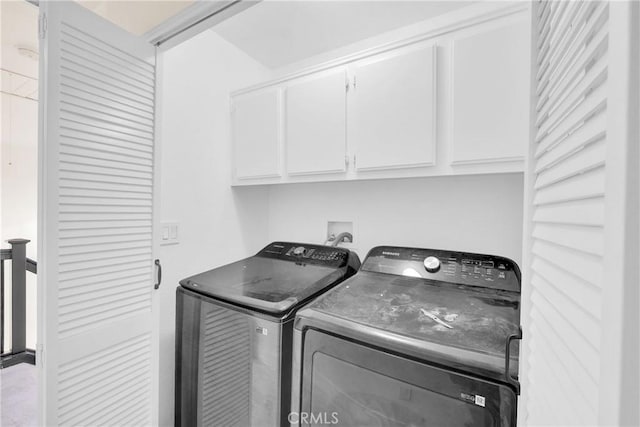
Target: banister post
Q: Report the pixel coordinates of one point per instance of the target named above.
(18, 294)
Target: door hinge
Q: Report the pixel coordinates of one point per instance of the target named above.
(39, 354)
(346, 160)
(354, 82)
(354, 160)
(346, 83)
(42, 26)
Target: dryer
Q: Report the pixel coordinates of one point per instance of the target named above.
(419, 337)
(234, 330)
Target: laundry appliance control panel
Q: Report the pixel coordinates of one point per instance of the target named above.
(459, 268)
(316, 254)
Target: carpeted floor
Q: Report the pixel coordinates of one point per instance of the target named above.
(19, 396)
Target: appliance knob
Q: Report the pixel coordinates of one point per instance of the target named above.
(432, 264)
(299, 250)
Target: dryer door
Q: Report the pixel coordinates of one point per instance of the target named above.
(349, 384)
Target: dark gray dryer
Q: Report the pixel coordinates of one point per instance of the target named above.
(418, 337)
(234, 331)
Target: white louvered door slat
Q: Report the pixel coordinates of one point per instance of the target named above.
(99, 332)
(566, 213)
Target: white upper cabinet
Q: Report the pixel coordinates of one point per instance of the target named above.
(315, 123)
(490, 93)
(442, 97)
(392, 119)
(256, 134)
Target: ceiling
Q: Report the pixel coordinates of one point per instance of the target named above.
(274, 32)
(19, 29)
(136, 16)
(278, 33)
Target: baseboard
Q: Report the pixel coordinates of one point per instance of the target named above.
(10, 359)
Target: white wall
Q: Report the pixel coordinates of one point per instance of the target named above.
(481, 213)
(19, 195)
(217, 224)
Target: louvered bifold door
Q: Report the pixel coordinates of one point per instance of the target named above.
(98, 341)
(566, 213)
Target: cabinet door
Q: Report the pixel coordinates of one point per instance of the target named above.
(256, 134)
(490, 110)
(393, 111)
(316, 124)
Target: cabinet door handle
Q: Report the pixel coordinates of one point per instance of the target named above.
(159, 274)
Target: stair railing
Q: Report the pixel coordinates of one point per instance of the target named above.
(20, 265)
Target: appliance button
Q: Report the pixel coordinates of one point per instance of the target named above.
(432, 264)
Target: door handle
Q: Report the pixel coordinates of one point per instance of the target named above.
(507, 357)
(159, 274)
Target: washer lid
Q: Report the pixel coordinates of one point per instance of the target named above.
(278, 278)
(461, 326)
(469, 318)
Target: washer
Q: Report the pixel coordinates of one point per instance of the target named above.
(234, 331)
(419, 337)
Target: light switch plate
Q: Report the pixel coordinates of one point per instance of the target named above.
(169, 233)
